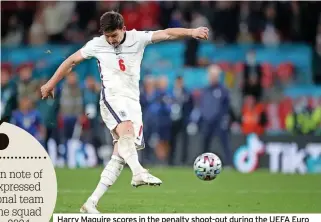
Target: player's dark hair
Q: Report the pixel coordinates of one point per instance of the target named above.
(111, 21)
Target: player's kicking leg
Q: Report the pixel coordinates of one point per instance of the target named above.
(108, 178)
(127, 150)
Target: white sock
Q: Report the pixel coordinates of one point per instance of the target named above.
(108, 177)
(134, 164)
(127, 150)
(99, 192)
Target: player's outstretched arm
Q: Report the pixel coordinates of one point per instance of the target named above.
(180, 33)
(64, 69)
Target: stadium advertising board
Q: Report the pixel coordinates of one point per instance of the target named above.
(280, 154)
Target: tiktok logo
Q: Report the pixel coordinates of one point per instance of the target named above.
(246, 158)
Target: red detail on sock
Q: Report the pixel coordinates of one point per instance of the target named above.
(140, 130)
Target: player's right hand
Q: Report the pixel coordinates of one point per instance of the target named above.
(46, 92)
(200, 33)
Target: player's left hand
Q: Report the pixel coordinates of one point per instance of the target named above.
(46, 92)
(200, 33)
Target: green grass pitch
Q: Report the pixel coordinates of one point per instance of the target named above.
(183, 192)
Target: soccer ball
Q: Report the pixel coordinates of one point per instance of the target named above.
(207, 166)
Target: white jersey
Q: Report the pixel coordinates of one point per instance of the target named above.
(119, 67)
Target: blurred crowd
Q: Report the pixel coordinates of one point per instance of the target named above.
(269, 23)
(68, 22)
(170, 114)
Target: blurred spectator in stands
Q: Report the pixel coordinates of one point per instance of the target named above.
(149, 15)
(215, 113)
(244, 35)
(195, 116)
(147, 95)
(192, 44)
(147, 98)
(131, 16)
(254, 118)
(71, 104)
(8, 92)
(57, 16)
(190, 55)
(177, 20)
(28, 86)
(316, 59)
(104, 6)
(25, 11)
(270, 34)
(252, 76)
(28, 118)
(49, 109)
(318, 39)
(295, 25)
(181, 109)
(71, 107)
(167, 9)
(87, 11)
(316, 120)
(162, 106)
(37, 31)
(91, 30)
(73, 32)
(14, 35)
(303, 119)
(225, 22)
(199, 20)
(91, 98)
(206, 8)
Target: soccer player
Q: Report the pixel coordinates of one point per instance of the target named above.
(119, 54)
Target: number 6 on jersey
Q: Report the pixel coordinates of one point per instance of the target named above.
(121, 65)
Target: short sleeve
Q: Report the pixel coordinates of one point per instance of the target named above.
(88, 50)
(145, 37)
